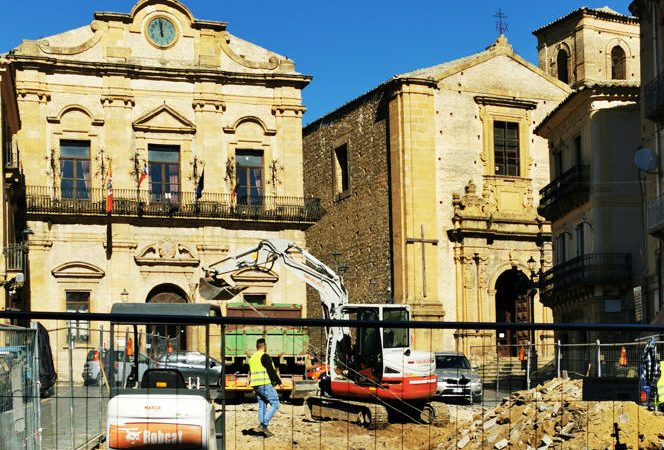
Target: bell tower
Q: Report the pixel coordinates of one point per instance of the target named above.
(589, 46)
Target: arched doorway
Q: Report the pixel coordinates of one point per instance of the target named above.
(511, 306)
(161, 335)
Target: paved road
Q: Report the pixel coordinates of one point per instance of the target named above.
(89, 417)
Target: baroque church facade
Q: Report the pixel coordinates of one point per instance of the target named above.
(430, 184)
(140, 148)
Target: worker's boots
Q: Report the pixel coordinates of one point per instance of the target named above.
(266, 432)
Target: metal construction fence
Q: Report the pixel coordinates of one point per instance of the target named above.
(19, 389)
(535, 401)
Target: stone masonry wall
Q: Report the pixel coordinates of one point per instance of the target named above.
(356, 224)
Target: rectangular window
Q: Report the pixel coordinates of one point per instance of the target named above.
(561, 251)
(577, 150)
(164, 169)
(75, 169)
(580, 240)
(506, 148)
(341, 175)
(78, 302)
(255, 299)
(557, 163)
(6, 139)
(249, 177)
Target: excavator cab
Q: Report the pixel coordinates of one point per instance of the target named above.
(364, 359)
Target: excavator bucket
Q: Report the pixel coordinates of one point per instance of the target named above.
(210, 291)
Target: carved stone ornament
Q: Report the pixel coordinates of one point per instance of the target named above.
(166, 252)
(470, 204)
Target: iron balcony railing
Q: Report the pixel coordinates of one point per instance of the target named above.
(585, 270)
(15, 255)
(566, 192)
(656, 216)
(654, 98)
(143, 203)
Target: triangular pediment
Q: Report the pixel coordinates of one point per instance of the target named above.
(164, 119)
(77, 269)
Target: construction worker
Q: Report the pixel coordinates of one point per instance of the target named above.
(262, 378)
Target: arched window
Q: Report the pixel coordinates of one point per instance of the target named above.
(561, 66)
(618, 70)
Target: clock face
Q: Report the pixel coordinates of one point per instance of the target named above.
(161, 32)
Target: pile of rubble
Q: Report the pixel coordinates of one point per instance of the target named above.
(553, 416)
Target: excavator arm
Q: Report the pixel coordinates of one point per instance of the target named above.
(325, 281)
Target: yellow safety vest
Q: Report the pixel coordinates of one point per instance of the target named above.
(660, 385)
(257, 374)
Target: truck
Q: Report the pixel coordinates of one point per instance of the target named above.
(288, 346)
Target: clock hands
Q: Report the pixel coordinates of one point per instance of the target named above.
(161, 28)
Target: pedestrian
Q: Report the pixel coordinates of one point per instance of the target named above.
(263, 378)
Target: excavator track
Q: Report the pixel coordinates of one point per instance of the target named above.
(369, 415)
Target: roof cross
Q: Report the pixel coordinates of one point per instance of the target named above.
(501, 25)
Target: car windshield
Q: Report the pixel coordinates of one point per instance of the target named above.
(452, 362)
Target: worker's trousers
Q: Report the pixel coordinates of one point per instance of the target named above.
(266, 394)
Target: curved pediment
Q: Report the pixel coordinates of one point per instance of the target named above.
(250, 275)
(164, 119)
(77, 269)
(166, 252)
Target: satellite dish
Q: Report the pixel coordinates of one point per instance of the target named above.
(646, 159)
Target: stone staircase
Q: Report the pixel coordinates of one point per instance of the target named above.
(508, 370)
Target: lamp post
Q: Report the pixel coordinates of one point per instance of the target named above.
(124, 295)
(534, 281)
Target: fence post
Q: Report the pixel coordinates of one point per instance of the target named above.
(101, 377)
(559, 357)
(36, 389)
(599, 357)
(497, 370)
(528, 367)
(70, 340)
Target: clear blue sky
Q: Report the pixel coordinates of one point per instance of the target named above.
(348, 46)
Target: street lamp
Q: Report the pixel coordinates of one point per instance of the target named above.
(124, 295)
(534, 279)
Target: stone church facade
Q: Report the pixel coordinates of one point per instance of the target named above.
(430, 183)
(195, 132)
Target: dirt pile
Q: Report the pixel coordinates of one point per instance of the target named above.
(553, 416)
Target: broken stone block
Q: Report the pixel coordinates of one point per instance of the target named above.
(501, 444)
(463, 441)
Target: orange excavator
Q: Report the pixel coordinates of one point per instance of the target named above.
(371, 373)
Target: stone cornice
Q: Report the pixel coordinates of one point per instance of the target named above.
(504, 101)
(98, 69)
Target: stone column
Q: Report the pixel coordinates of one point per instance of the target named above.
(413, 160)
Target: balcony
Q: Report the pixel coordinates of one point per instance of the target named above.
(654, 98)
(578, 276)
(15, 255)
(42, 200)
(656, 217)
(565, 193)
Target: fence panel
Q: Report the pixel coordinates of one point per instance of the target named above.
(19, 389)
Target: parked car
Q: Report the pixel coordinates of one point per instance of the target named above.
(192, 366)
(457, 378)
(92, 367)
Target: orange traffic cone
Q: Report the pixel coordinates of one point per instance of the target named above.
(130, 347)
(522, 354)
(622, 361)
(170, 347)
